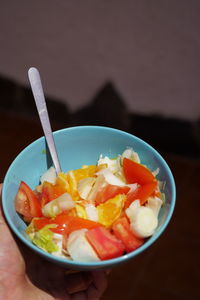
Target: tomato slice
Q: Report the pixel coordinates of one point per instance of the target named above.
(47, 193)
(27, 203)
(39, 223)
(110, 191)
(141, 193)
(106, 245)
(65, 223)
(50, 192)
(136, 173)
(60, 228)
(122, 231)
(71, 223)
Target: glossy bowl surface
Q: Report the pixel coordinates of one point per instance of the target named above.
(79, 146)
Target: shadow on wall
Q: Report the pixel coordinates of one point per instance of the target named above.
(108, 108)
(18, 99)
(165, 134)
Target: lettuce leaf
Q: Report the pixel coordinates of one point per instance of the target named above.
(43, 238)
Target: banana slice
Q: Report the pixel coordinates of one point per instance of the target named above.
(79, 248)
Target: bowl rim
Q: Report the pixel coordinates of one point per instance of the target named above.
(105, 263)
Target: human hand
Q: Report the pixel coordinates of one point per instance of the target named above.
(25, 275)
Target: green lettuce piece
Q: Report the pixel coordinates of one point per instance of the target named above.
(43, 238)
(30, 231)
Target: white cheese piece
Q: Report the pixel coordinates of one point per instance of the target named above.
(98, 185)
(132, 209)
(84, 186)
(58, 240)
(111, 178)
(132, 186)
(156, 172)
(79, 248)
(155, 204)
(58, 205)
(49, 176)
(144, 222)
(113, 164)
(143, 219)
(92, 212)
(130, 154)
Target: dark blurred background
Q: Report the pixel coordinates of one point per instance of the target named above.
(131, 65)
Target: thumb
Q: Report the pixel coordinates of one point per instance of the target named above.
(9, 248)
(1, 210)
(5, 234)
(3, 225)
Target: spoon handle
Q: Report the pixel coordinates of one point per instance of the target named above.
(36, 85)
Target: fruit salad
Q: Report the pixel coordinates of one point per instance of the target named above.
(94, 213)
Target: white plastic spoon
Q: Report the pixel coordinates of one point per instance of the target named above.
(36, 85)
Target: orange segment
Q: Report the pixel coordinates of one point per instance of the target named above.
(72, 185)
(62, 181)
(110, 210)
(85, 171)
(73, 177)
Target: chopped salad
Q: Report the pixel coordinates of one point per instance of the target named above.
(94, 213)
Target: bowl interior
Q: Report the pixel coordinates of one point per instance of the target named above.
(79, 146)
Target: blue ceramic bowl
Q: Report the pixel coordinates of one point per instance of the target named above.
(78, 146)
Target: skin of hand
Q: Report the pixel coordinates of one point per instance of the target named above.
(25, 275)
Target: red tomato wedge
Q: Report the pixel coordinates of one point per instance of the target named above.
(136, 173)
(106, 245)
(65, 223)
(141, 193)
(47, 193)
(27, 203)
(122, 231)
(110, 191)
(39, 223)
(74, 223)
(50, 192)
